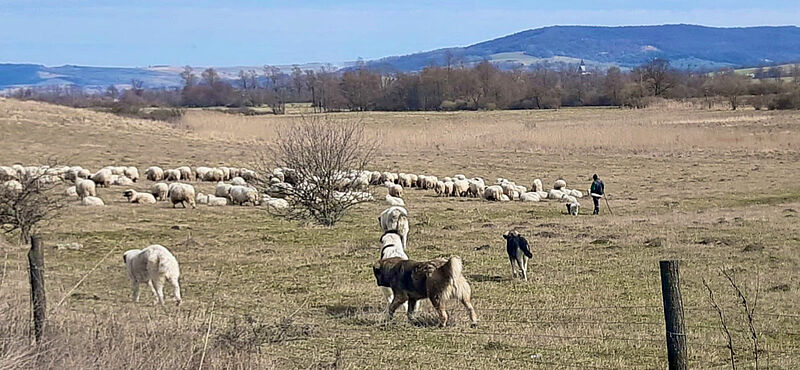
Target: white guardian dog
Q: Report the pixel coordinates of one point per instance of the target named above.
(153, 265)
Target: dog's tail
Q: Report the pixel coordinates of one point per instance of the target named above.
(458, 287)
(526, 251)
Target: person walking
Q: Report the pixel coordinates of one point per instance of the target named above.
(597, 191)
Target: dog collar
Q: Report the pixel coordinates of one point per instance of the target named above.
(384, 248)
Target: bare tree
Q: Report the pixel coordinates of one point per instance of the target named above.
(657, 75)
(324, 161)
(28, 200)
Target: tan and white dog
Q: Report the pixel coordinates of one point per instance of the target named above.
(438, 280)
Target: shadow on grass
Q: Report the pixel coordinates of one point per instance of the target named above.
(480, 278)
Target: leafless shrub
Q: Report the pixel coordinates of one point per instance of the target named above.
(723, 322)
(31, 200)
(249, 334)
(322, 157)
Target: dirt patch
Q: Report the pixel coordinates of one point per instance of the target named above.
(546, 234)
(754, 247)
(655, 242)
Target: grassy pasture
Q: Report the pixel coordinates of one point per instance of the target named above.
(711, 188)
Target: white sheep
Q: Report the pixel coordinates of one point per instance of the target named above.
(212, 175)
(222, 190)
(71, 191)
(7, 173)
(160, 190)
(439, 188)
(13, 186)
(460, 188)
(555, 194)
(395, 219)
(448, 188)
(576, 193)
(103, 177)
(181, 193)
(537, 185)
(85, 188)
(92, 201)
(131, 173)
(153, 265)
(493, 193)
(560, 183)
(200, 173)
(186, 173)
(121, 181)
(243, 194)
(137, 197)
(396, 190)
(460, 177)
(154, 173)
(529, 197)
(238, 181)
(214, 201)
(276, 205)
(172, 175)
(476, 188)
(394, 201)
(201, 198)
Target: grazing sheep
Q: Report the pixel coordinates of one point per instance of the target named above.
(154, 173)
(576, 193)
(226, 173)
(393, 201)
(92, 201)
(132, 173)
(238, 181)
(404, 180)
(243, 194)
(276, 205)
(186, 173)
(530, 197)
(476, 188)
(71, 191)
(103, 177)
(560, 183)
(374, 178)
(222, 190)
(537, 185)
(448, 188)
(395, 219)
(140, 198)
(213, 175)
(200, 173)
(414, 180)
(85, 188)
(160, 190)
(181, 193)
(172, 175)
(460, 177)
(460, 188)
(153, 265)
(504, 198)
(440, 188)
(396, 190)
(493, 193)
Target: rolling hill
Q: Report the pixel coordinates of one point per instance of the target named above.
(686, 46)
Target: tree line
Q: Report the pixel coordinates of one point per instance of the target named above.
(445, 88)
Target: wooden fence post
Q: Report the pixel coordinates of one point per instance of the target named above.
(38, 299)
(673, 314)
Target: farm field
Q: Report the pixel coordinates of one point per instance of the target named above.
(713, 189)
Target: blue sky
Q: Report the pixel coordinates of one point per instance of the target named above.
(248, 32)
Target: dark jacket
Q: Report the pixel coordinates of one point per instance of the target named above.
(597, 187)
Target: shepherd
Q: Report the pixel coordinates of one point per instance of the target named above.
(597, 191)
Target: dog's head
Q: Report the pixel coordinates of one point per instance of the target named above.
(377, 270)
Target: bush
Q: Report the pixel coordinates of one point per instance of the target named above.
(790, 100)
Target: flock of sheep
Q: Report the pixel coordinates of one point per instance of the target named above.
(235, 185)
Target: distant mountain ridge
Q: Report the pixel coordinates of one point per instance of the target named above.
(628, 46)
(686, 46)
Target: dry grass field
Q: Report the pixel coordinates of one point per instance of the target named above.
(714, 189)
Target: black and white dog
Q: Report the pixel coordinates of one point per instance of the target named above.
(518, 252)
(392, 248)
